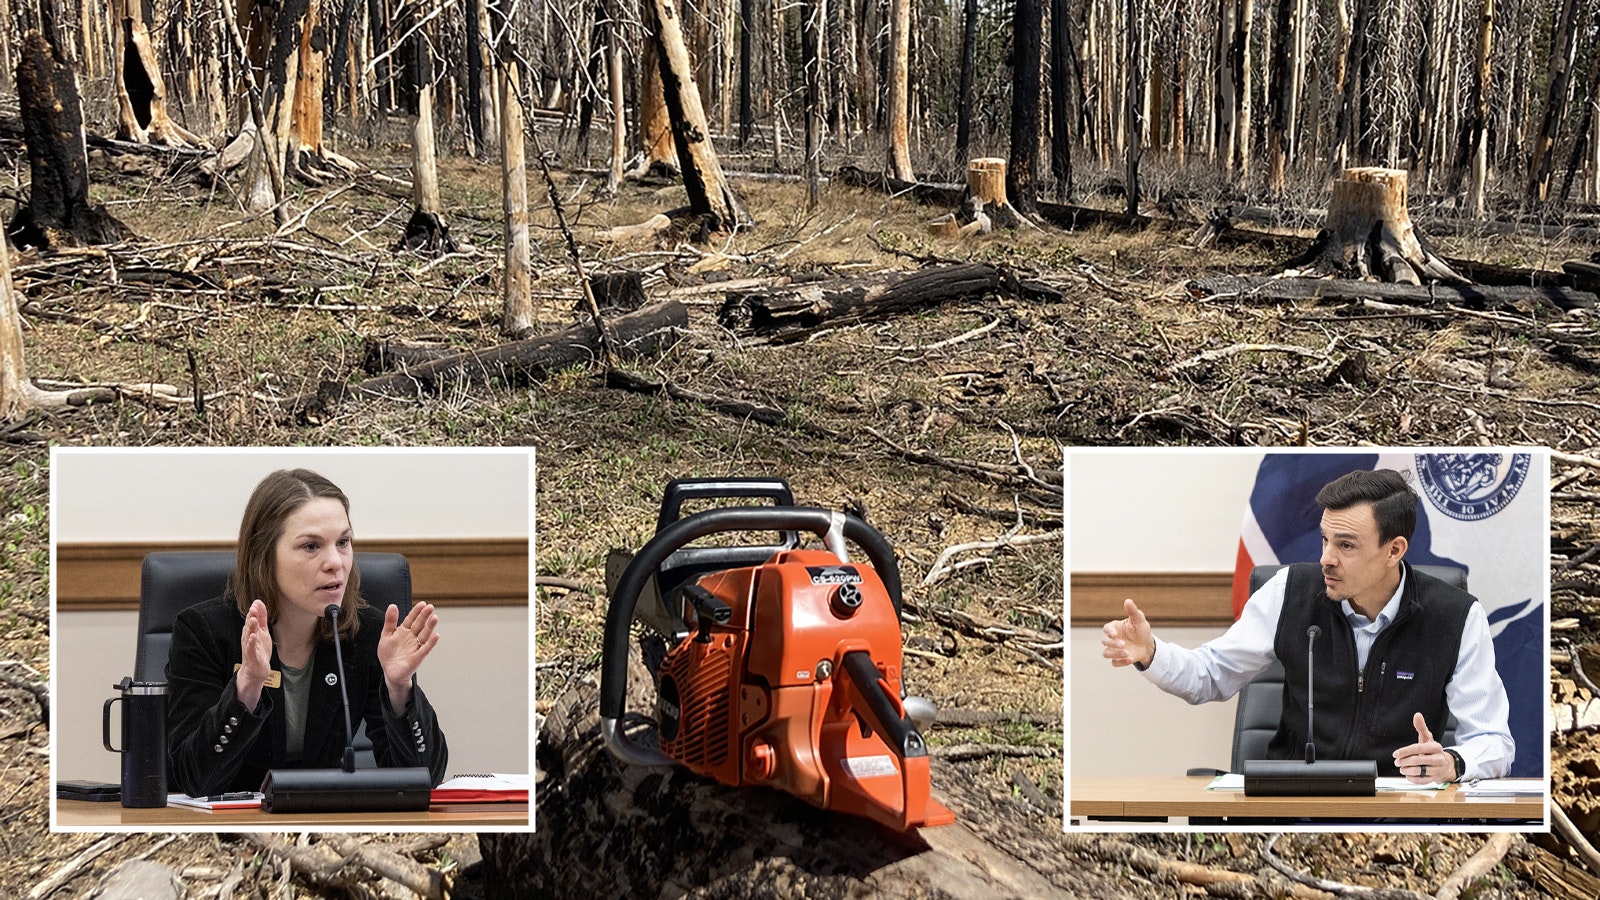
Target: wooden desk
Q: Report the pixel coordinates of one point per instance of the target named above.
(480, 816)
(1178, 795)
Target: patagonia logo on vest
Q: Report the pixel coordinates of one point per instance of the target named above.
(1403, 675)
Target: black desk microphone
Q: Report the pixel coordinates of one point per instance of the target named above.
(346, 789)
(1288, 777)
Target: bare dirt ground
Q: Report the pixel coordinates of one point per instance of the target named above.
(249, 320)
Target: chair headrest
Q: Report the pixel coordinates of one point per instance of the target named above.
(1454, 576)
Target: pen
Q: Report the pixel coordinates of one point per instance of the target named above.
(237, 795)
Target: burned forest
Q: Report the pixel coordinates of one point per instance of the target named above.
(901, 254)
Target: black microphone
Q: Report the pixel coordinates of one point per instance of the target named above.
(1291, 777)
(346, 789)
(1311, 695)
(349, 762)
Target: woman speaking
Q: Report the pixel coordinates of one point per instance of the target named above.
(252, 678)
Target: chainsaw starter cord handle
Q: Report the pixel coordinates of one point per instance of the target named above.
(619, 616)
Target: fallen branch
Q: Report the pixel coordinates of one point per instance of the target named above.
(1156, 866)
(1342, 290)
(969, 718)
(964, 752)
(1208, 356)
(941, 568)
(1337, 888)
(793, 311)
(39, 689)
(524, 360)
(1479, 865)
(1568, 832)
(70, 869)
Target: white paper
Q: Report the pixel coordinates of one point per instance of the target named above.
(1235, 782)
(492, 782)
(1503, 787)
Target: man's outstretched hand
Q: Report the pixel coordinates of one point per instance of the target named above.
(1425, 762)
(1128, 641)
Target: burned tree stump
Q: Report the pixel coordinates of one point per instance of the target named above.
(58, 213)
(1369, 234)
(666, 832)
(986, 195)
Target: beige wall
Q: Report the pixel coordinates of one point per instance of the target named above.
(1149, 511)
(478, 678)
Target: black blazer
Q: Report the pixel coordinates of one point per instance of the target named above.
(215, 745)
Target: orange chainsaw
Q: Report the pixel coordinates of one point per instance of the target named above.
(784, 664)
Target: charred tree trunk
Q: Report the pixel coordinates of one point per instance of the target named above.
(308, 83)
(1279, 127)
(1023, 174)
(58, 212)
(969, 63)
(426, 232)
(710, 195)
(1563, 45)
(815, 14)
(1369, 234)
(1061, 95)
(1133, 116)
(141, 91)
(747, 102)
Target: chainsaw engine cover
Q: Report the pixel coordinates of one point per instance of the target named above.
(799, 689)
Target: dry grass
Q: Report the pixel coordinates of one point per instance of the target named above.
(1095, 367)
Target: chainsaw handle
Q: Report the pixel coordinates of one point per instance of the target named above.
(833, 527)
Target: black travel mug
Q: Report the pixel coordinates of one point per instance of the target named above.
(144, 741)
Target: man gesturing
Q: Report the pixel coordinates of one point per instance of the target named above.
(1401, 651)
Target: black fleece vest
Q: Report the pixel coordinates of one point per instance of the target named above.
(1366, 713)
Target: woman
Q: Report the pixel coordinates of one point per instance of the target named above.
(252, 676)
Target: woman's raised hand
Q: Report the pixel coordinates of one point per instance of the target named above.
(255, 653)
(402, 648)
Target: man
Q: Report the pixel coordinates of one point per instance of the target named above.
(1399, 650)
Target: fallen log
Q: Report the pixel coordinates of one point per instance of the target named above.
(515, 361)
(667, 832)
(1342, 290)
(789, 312)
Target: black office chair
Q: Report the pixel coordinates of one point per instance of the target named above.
(1260, 706)
(170, 582)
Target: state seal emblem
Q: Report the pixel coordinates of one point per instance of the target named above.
(1472, 486)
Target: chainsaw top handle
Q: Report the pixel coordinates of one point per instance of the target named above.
(833, 527)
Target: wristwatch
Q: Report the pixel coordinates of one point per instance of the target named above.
(1461, 767)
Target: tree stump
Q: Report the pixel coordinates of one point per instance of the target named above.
(141, 91)
(667, 832)
(1369, 234)
(986, 194)
(58, 211)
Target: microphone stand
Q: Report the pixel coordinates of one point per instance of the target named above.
(1292, 777)
(346, 789)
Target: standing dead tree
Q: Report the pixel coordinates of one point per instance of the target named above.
(711, 197)
(141, 91)
(58, 211)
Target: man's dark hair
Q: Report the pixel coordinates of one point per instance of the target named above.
(1394, 504)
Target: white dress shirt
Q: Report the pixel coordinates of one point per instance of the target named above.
(1219, 668)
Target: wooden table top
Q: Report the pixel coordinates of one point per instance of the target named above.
(1178, 795)
(473, 816)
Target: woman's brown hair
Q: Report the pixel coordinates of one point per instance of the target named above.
(255, 574)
